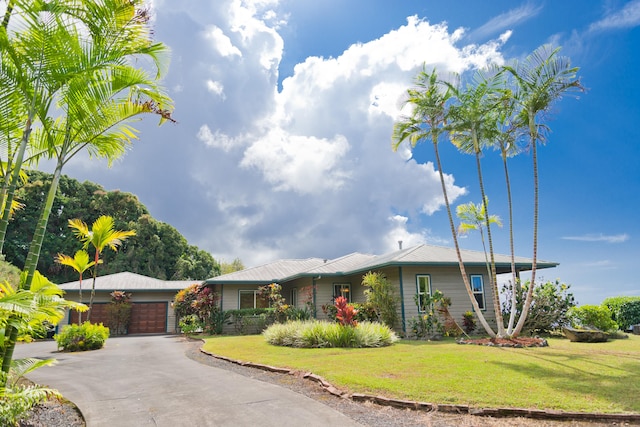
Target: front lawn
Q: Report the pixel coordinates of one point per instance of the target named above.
(566, 376)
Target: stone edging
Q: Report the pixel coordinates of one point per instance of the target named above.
(431, 407)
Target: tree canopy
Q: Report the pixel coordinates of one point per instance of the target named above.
(157, 250)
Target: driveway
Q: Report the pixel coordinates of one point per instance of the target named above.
(148, 380)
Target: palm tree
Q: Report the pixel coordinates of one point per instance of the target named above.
(101, 236)
(73, 64)
(473, 123)
(474, 217)
(80, 263)
(428, 121)
(540, 80)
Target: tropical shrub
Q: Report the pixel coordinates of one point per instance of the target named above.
(380, 295)
(468, 322)
(549, 306)
(119, 312)
(427, 324)
(366, 312)
(190, 324)
(592, 316)
(318, 334)
(615, 305)
(202, 302)
(345, 313)
(16, 398)
(88, 336)
(629, 314)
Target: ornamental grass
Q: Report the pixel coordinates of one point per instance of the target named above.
(317, 334)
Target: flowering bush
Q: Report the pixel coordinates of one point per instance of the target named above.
(88, 336)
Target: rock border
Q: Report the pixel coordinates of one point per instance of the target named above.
(445, 408)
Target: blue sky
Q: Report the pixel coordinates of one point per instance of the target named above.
(285, 111)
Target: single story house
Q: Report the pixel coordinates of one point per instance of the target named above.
(151, 300)
(414, 270)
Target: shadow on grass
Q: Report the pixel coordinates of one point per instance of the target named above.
(585, 375)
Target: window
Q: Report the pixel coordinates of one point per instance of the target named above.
(477, 286)
(252, 299)
(342, 290)
(294, 297)
(423, 285)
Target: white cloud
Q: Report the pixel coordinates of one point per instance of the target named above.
(627, 17)
(221, 42)
(304, 164)
(216, 88)
(616, 238)
(304, 171)
(507, 20)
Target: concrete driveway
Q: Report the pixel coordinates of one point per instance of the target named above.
(148, 380)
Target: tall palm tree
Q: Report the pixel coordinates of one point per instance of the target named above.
(473, 123)
(101, 236)
(80, 263)
(540, 80)
(428, 121)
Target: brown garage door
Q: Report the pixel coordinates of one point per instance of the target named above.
(148, 318)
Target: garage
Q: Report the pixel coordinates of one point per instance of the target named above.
(151, 301)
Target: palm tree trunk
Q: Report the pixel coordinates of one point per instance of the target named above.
(4, 221)
(493, 277)
(93, 285)
(463, 271)
(534, 154)
(512, 315)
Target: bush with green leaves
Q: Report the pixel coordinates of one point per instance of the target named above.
(631, 314)
(202, 302)
(549, 306)
(381, 296)
(592, 317)
(88, 336)
(319, 334)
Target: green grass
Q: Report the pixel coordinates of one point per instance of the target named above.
(603, 377)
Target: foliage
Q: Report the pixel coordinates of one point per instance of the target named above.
(235, 265)
(250, 320)
(26, 310)
(629, 314)
(592, 316)
(468, 322)
(428, 322)
(549, 305)
(273, 294)
(314, 334)
(307, 298)
(119, 312)
(366, 312)
(80, 263)
(87, 336)
(381, 297)
(615, 305)
(157, 250)
(330, 310)
(16, 398)
(190, 324)
(201, 302)
(345, 314)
